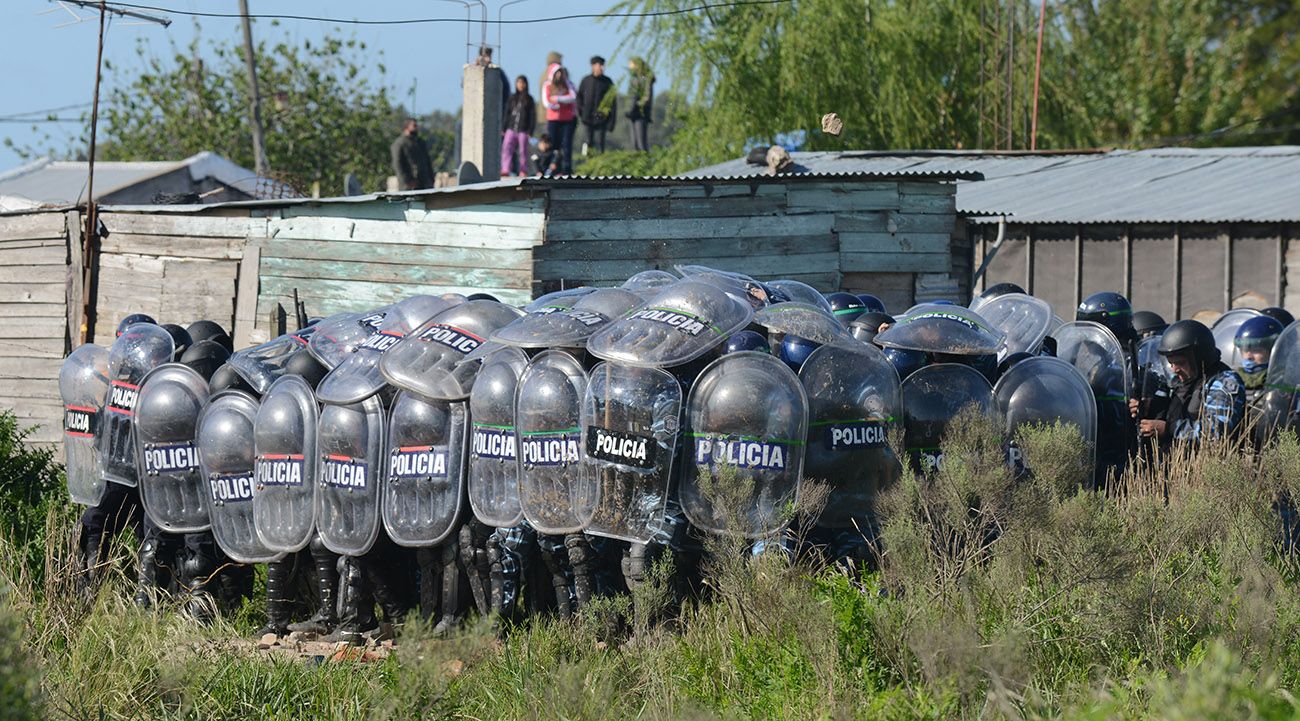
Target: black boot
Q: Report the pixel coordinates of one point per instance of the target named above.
(429, 565)
(279, 598)
(147, 588)
(473, 558)
(89, 562)
(556, 558)
(451, 607)
(581, 561)
(355, 609)
(325, 578)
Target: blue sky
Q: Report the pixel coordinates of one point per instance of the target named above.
(52, 67)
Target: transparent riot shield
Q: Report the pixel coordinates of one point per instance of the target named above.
(945, 329)
(227, 458)
(139, 349)
(1095, 352)
(260, 365)
(648, 282)
(630, 422)
(1023, 319)
(1044, 391)
(932, 397)
(424, 482)
(83, 384)
(681, 323)
(743, 288)
(806, 321)
(493, 467)
(800, 292)
(428, 360)
(284, 491)
(335, 339)
(747, 418)
(557, 488)
(357, 377)
(350, 465)
(172, 487)
(1225, 333)
(854, 401)
(1279, 408)
(568, 328)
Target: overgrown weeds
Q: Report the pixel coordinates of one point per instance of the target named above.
(996, 596)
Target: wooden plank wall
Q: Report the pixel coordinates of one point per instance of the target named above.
(176, 267)
(357, 256)
(863, 236)
(33, 334)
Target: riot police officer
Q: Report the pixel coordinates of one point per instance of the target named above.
(1113, 311)
(1207, 400)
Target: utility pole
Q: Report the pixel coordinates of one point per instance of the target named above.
(89, 245)
(255, 101)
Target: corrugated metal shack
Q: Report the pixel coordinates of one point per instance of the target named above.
(1182, 231)
(241, 263)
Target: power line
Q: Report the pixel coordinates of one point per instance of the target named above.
(47, 111)
(427, 21)
(42, 120)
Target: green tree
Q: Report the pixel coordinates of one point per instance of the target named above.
(323, 119)
(915, 74)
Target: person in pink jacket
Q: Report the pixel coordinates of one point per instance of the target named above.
(561, 101)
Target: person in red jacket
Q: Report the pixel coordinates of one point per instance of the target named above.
(560, 98)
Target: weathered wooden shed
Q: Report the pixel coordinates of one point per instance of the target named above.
(243, 263)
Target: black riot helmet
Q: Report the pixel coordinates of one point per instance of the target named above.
(1111, 310)
(997, 290)
(131, 320)
(846, 306)
(1148, 323)
(743, 340)
(226, 379)
(201, 330)
(180, 337)
(1281, 315)
(205, 357)
(304, 364)
(482, 296)
(1190, 336)
(1011, 360)
(867, 325)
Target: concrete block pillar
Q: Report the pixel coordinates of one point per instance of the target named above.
(481, 120)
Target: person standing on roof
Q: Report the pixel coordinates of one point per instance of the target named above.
(641, 88)
(520, 122)
(561, 101)
(597, 105)
(411, 158)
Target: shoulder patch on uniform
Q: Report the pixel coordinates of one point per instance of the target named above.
(1229, 382)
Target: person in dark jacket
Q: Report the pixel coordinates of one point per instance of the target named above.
(1207, 400)
(597, 105)
(641, 88)
(520, 122)
(546, 161)
(411, 158)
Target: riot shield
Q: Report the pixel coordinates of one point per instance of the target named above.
(358, 377)
(568, 328)
(737, 285)
(226, 456)
(260, 365)
(648, 282)
(350, 466)
(336, 339)
(1225, 333)
(932, 397)
(284, 490)
(1023, 319)
(630, 420)
(800, 292)
(806, 321)
(558, 300)
(854, 401)
(140, 349)
(946, 329)
(1280, 405)
(557, 488)
(681, 323)
(424, 482)
(1045, 390)
(83, 384)
(172, 488)
(428, 361)
(747, 418)
(1095, 352)
(493, 472)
